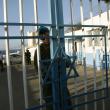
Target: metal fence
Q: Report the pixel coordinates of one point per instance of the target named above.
(91, 81)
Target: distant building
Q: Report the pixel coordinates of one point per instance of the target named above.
(99, 48)
(31, 42)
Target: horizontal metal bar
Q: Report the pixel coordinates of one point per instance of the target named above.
(46, 83)
(86, 102)
(47, 97)
(38, 98)
(73, 106)
(81, 36)
(39, 106)
(24, 37)
(79, 95)
(53, 37)
(38, 24)
(25, 24)
(69, 25)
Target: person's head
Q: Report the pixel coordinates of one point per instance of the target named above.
(27, 50)
(43, 31)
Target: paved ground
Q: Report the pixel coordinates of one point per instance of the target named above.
(18, 96)
(17, 84)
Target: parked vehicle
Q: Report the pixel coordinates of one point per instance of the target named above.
(15, 58)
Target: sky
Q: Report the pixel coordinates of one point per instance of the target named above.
(43, 13)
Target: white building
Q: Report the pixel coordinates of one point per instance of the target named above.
(85, 48)
(31, 42)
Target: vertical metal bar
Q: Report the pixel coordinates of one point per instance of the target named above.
(84, 59)
(23, 54)
(106, 63)
(82, 22)
(91, 11)
(81, 12)
(108, 20)
(93, 47)
(53, 44)
(100, 11)
(38, 53)
(7, 56)
(60, 22)
(94, 66)
(61, 75)
(108, 15)
(74, 51)
(71, 15)
(35, 12)
(103, 82)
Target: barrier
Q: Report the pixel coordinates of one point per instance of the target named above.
(60, 73)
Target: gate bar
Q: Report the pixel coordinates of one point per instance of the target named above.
(60, 21)
(100, 21)
(84, 57)
(38, 52)
(53, 44)
(25, 24)
(91, 11)
(93, 47)
(52, 25)
(103, 82)
(94, 66)
(106, 64)
(73, 49)
(23, 53)
(53, 37)
(108, 20)
(7, 56)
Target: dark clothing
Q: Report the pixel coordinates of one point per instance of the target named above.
(45, 51)
(1, 65)
(44, 54)
(28, 57)
(47, 88)
(1, 62)
(35, 60)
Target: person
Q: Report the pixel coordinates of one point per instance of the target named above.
(28, 56)
(71, 65)
(44, 55)
(44, 49)
(1, 61)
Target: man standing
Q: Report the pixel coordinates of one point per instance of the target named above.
(44, 55)
(28, 57)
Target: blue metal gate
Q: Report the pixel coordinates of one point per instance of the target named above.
(63, 77)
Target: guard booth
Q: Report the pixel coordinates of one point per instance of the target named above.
(88, 87)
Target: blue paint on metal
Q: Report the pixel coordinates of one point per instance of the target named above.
(62, 78)
(58, 70)
(104, 61)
